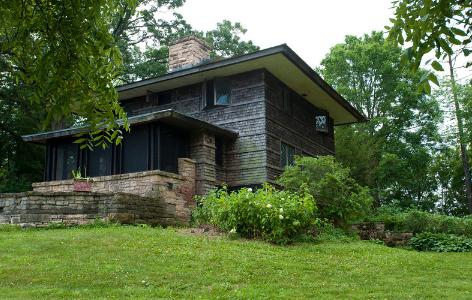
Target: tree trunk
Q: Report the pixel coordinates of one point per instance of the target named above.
(462, 143)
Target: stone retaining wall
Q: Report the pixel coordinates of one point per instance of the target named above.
(40, 209)
(176, 190)
(377, 231)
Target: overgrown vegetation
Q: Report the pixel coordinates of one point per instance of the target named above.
(339, 197)
(276, 216)
(318, 192)
(421, 222)
(440, 242)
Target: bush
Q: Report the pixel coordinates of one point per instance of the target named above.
(339, 197)
(440, 242)
(420, 221)
(276, 216)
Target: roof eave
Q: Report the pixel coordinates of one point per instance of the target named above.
(163, 115)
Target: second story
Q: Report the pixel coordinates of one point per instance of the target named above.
(247, 94)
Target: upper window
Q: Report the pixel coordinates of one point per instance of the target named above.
(218, 92)
(165, 97)
(321, 122)
(286, 102)
(287, 154)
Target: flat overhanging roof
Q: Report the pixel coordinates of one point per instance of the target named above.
(167, 116)
(281, 61)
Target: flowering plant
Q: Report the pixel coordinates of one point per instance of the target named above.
(277, 216)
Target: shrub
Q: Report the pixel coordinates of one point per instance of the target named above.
(420, 221)
(276, 216)
(326, 232)
(339, 197)
(440, 242)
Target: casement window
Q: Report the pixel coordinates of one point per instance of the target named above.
(164, 97)
(219, 151)
(287, 154)
(321, 122)
(217, 92)
(286, 101)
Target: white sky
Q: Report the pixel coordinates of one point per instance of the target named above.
(310, 28)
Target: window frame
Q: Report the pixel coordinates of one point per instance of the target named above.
(210, 92)
(322, 129)
(285, 158)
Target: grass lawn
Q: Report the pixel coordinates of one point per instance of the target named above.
(133, 262)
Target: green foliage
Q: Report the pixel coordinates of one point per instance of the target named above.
(420, 221)
(9, 228)
(393, 152)
(276, 216)
(226, 40)
(65, 58)
(327, 232)
(339, 197)
(436, 26)
(440, 242)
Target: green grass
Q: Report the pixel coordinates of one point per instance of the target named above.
(133, 262)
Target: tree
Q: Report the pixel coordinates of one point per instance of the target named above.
(63, 54)
(445, 27)
(432, 26)
(396, 144)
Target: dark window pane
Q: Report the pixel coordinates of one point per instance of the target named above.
(165, 97)
(290, 155)
(219, 151)
(66, 160)
(210, 93)
(283, 155)
(287, 102)
(287, 154)
(135, 150)
(222, 91)
(99, 162)
(173, 144)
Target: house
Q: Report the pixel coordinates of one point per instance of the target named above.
(236, 121)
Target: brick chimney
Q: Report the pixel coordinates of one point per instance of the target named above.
(186, 52)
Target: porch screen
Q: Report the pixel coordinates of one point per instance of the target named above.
(99, 162)
(66, 160)
(170, 144)
(135, 149)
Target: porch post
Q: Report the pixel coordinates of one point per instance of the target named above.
(202, 150)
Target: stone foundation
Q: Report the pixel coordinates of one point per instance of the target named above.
(176, 190)
(40, 209)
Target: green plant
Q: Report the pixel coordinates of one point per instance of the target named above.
(440, 242)
(326, 232)
(339, 197)
(77, 174)
(276, 216)
(420, 221)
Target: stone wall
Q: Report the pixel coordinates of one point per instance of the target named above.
(377, 231)
(40, 209)
(176, 190)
